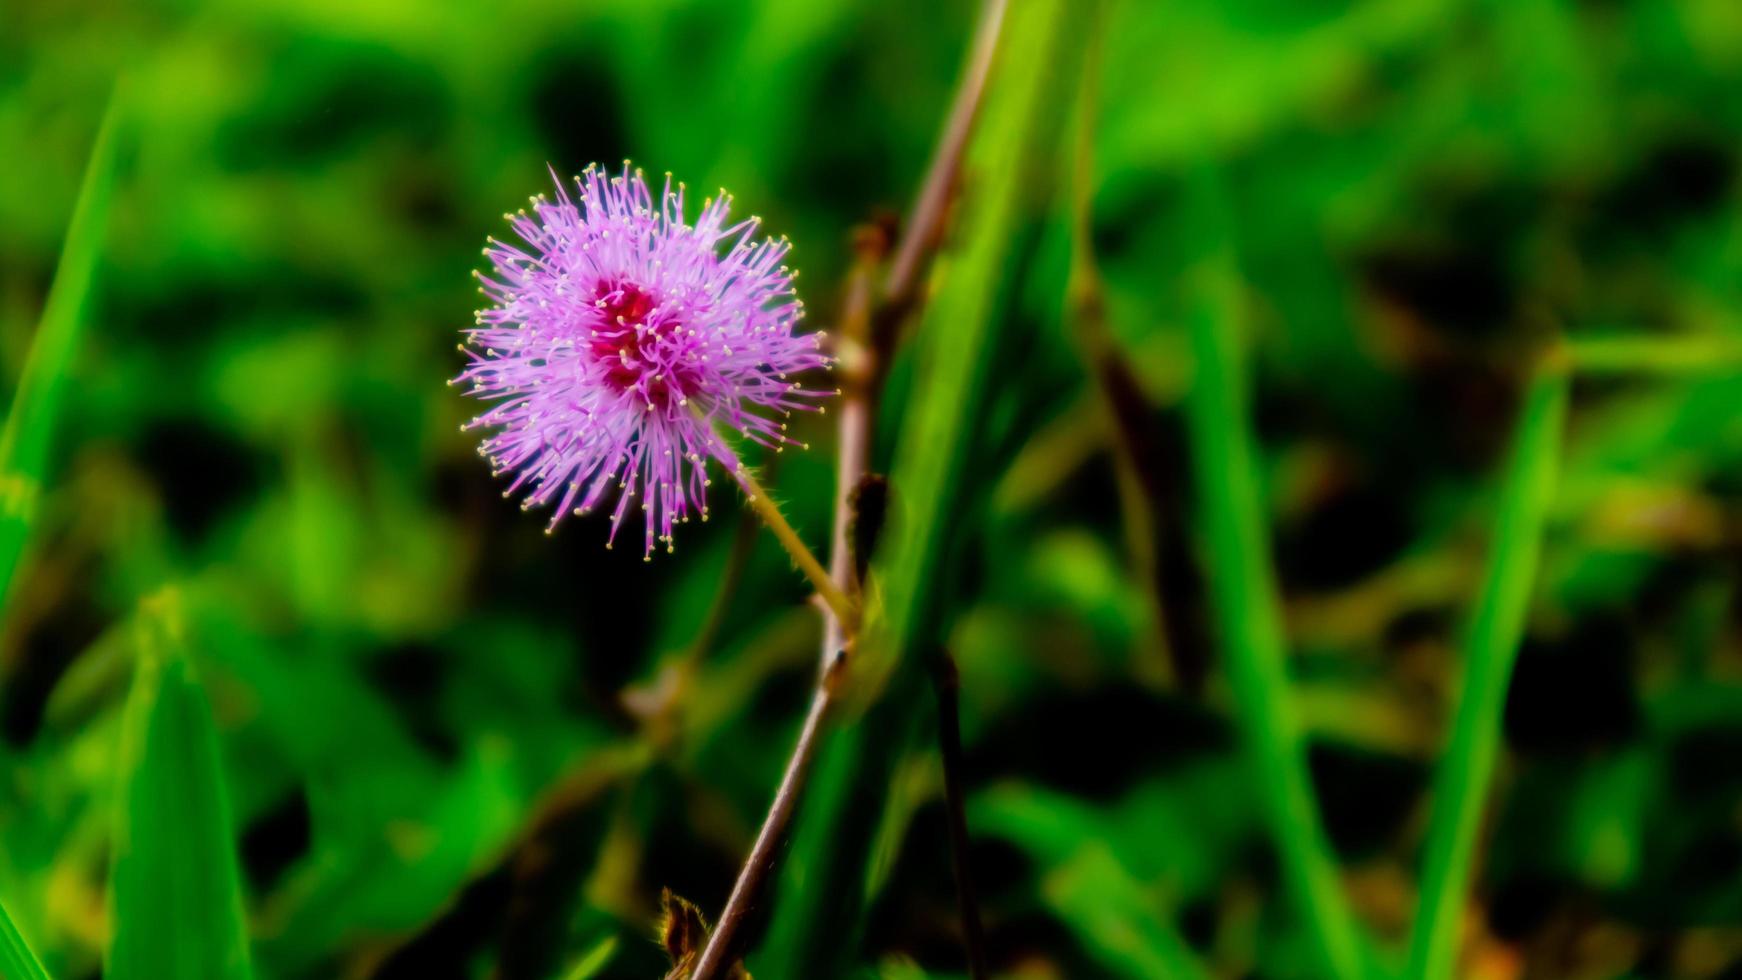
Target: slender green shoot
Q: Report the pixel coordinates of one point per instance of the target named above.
(24, 440)
(1244, 595)
(1496, 627)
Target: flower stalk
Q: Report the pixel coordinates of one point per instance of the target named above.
(839, 604)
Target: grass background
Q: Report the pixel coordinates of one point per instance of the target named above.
(1321, 452)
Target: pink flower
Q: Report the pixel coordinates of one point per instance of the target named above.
(620, 338)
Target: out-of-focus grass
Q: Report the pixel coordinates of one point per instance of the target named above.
(175, 894)
(1097, 882)
(1243, 587)
(593, 960)
(36, 404)
(1495, 631)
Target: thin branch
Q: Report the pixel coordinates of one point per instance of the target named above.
(761, 862)
(948, 684)
(854, 443)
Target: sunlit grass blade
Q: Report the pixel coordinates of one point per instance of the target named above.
(1119, 915)
(1118, 922)
(1491, 646)
(17, 962)
(828, 876)
(593, 960)
(24, 440)
(1243, 592)
(174, 891)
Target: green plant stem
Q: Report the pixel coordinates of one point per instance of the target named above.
(765, 507)
(1491, 647)
(1243, 591)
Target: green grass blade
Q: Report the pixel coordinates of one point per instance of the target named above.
(24, 440)
(17, 962)
(1496, 627)
(174, 891)
(955, 340)
(1119, 923)
(830, 870)
(1120, 917)
(1243, 591)
(593, 960)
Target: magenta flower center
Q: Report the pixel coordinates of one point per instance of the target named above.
(640, 347)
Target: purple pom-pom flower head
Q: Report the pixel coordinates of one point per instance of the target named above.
(620, 338)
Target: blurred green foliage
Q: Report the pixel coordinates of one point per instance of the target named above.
(450, 746)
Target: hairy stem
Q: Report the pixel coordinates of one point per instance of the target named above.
(839, 604)
(854, 450)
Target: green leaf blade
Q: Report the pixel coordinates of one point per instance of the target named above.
(831, 873)
(593, 960)
(1491, 648)
(24, 441)
(1247, 608)
(175, 891)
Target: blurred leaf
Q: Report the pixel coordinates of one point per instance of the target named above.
(1672, 356)
(17, 962)
(1116, 904)
(900, 968)
(1496, 627)
(1116, 918)
(30, 424)
(593, 960)
(175, 896)
(1182, 829)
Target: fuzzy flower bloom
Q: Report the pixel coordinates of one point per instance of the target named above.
(620, 338)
